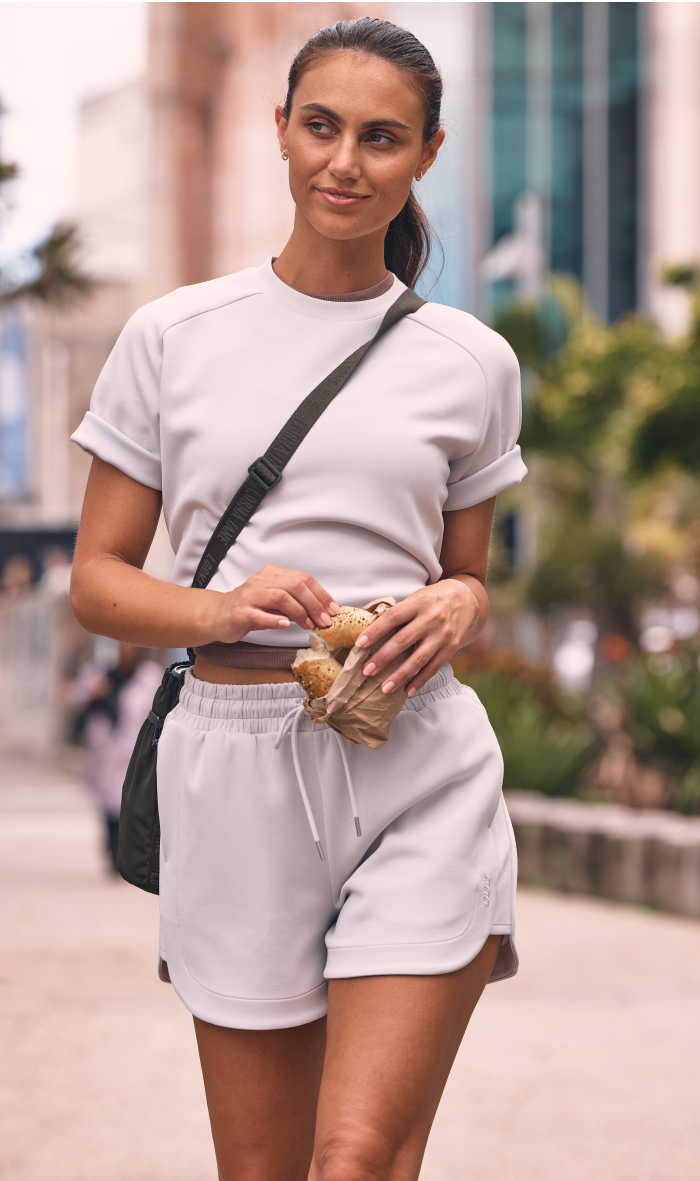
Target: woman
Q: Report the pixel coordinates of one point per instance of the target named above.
(392, 492)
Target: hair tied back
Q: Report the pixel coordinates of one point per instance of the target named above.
(408, 242)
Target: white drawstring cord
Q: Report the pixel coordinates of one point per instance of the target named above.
(355, 814)
(294, 716)
(291, 723)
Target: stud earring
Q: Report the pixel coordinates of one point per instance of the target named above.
(285, 155)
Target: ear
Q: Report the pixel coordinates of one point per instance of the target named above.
(282, 125)
(430, 151)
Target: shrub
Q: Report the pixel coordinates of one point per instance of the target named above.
(547, 743)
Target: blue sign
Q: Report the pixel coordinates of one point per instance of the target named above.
(14, 405)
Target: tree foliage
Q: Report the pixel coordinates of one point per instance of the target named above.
(58, 277)
(611, 419)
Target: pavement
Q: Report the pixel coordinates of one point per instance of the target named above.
(586, 1067)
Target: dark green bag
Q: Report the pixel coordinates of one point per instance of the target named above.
(138, 854)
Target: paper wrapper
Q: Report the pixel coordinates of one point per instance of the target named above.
(355, 705)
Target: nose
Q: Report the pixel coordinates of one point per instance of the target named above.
(344, 163)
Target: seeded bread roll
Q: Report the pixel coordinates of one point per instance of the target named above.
(315, 669)
(347, 625)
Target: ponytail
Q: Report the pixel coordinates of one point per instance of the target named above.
(408, 243)
(409, 238)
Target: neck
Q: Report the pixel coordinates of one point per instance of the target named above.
(310, 262)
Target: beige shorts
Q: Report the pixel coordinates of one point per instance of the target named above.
(290, 856)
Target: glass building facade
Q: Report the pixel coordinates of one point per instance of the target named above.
(564, 125)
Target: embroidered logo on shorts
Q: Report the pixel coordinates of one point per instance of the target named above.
(487, 889)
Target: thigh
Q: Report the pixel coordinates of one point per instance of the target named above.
(391, 1042)
(262, 1090)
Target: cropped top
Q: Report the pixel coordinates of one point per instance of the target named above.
(201, 380)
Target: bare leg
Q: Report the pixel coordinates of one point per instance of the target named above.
(391, 1042)
(262, 1090)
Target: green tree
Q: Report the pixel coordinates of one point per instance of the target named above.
(669, 436)
(58, 277)
(586, 387)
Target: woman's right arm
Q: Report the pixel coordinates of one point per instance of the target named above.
(112, 596)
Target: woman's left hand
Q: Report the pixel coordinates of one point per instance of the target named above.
(434, 621)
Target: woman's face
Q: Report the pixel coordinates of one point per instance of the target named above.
(355, 144)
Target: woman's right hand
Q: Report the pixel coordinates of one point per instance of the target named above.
(112, 596)
(272, 598)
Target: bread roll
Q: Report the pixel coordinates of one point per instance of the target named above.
(315, 669)
(347, 625)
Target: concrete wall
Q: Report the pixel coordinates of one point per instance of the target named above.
(646, 857)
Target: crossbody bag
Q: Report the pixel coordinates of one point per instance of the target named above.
(138, 856)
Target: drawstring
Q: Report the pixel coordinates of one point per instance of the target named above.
(348, 780)
(290, 723)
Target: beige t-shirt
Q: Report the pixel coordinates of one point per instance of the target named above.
(200, 382)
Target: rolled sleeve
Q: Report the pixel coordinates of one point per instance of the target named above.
(122, 426)
(495, 463)
(487, 482)
(100, 438)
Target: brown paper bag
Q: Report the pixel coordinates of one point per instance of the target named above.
(355, 705)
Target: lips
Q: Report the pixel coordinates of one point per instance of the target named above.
(342, 198)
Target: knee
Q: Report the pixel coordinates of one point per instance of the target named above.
(358, 1157)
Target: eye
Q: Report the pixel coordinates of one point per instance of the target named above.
(318, 126)
(378, 137)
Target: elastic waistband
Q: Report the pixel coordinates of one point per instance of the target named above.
(267, 704)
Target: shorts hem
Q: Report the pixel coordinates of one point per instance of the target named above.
(246, 1012)
(423, 959)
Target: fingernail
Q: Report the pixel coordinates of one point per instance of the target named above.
(370, 669)
(388, 686)
(325, 619)
(309, 622)
(361, 642)
(283, 623)
(333, 608)
(411, 692)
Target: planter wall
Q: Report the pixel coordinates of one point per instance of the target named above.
(649, 858)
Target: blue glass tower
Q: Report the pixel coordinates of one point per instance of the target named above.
(564, 125)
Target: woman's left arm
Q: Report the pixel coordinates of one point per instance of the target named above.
(437, 620)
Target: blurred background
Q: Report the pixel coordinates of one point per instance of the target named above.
(137, 154)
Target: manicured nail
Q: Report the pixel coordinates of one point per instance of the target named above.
(333, 608)
(370, 669)
(309, 622)
(283, 623)
(411, 692)
(325, 619)
(361, 642)
(388, 686)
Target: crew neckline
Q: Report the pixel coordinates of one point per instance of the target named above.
(372, 292)
(322, 309)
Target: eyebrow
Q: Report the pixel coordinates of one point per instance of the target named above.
(364, 126)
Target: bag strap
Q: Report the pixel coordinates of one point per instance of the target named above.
(266, 472)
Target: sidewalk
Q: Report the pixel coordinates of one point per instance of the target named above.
(585, 1067)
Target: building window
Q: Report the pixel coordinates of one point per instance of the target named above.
(565, 85)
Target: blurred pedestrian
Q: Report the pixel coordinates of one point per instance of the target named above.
(114, 702)
(17, 576)
(55, 573)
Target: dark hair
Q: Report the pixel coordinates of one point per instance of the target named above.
(409, 238)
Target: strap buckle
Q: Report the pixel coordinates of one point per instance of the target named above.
(268, 478)
(157, 724)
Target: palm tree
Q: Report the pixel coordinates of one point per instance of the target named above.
(59, 278)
